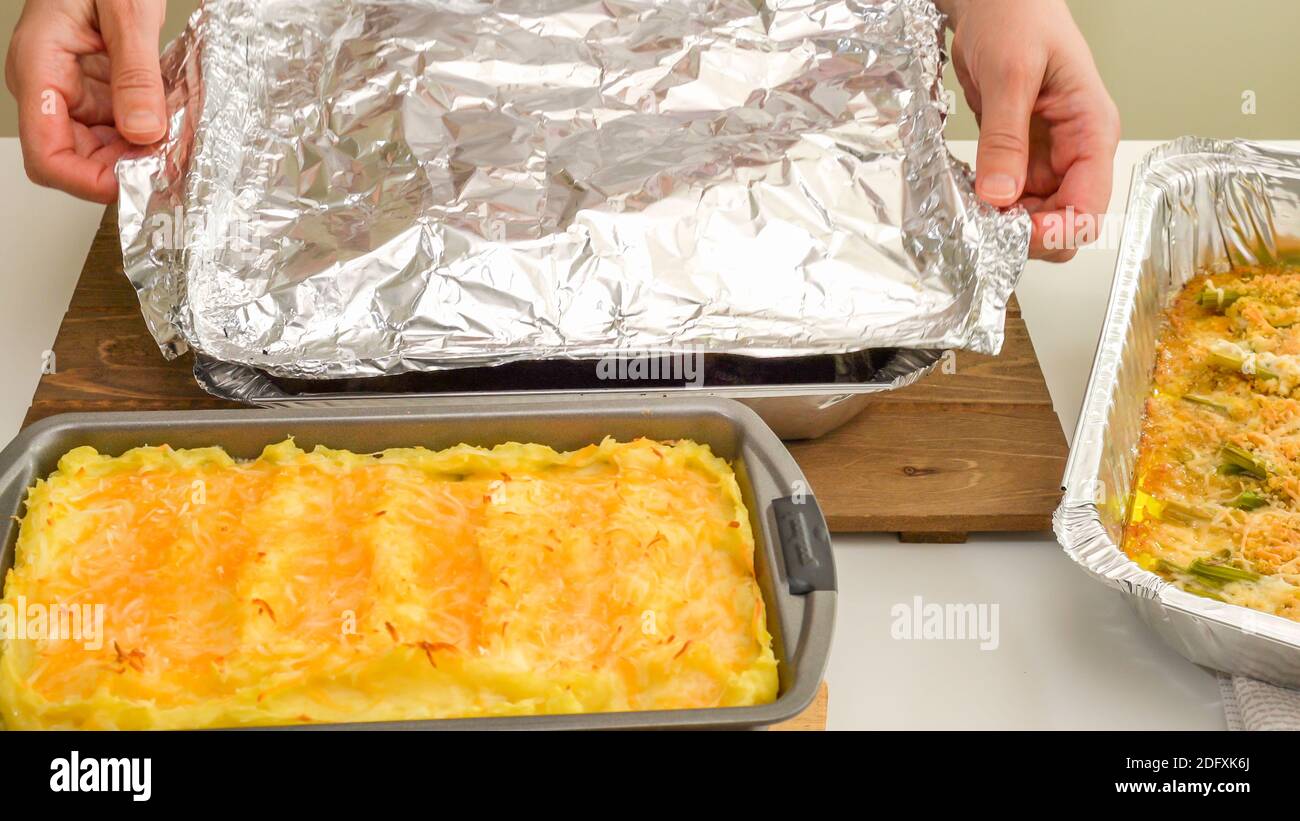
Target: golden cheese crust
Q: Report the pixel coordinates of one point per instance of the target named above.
(1216, 507)
(409, 584)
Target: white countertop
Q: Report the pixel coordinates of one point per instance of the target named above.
(1070, 654)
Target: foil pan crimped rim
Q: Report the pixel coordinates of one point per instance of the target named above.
(1097, 481)
(941, 264)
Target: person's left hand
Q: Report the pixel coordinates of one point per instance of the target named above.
(1048, 127)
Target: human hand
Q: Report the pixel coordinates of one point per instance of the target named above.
(86, 77)
(1048, 127)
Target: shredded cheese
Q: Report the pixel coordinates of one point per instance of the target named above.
(1216, 506)
(331, 586)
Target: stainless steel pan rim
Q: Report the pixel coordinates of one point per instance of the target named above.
(799, 411)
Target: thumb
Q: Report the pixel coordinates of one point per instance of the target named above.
(130, 31)
(1003, 159)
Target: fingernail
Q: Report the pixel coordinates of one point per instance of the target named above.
(142, 122)
(999, 186)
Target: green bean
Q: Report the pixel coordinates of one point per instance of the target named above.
(1243, 462)
(1218, 299)
(1220, 573)
(1235, 363)
(1183, 514)
(1208, 403)
(1168, 568)
(1248, 500)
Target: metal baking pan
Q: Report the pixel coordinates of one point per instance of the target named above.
(793, 560)
(798, 397)
(1195, 205)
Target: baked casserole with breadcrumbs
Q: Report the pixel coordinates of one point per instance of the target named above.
(1216, 507)
(409, 584)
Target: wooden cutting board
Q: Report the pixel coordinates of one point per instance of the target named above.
(978, 448)
(975, 446)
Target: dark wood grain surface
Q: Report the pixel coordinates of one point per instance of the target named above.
(975, 450)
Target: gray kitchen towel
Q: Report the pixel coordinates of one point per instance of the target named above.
(1249, 704)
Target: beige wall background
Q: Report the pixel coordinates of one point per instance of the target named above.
(1180, 67)
(1174, 66)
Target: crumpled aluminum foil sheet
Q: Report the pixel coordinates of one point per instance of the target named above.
(1195, 205)
(368, 187)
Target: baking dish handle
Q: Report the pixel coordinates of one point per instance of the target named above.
(805, 544)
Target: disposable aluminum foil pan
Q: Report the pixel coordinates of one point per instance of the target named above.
(1196, 205)
(364, 188)
(793, 560)
(801, 398)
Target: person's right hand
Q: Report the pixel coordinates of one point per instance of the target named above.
(1048, 127)
(86, 77)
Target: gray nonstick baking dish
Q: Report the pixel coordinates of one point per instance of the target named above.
(793, 560)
